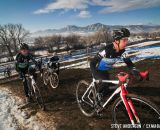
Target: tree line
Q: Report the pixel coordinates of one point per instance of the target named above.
(12, 35)
(72, 41)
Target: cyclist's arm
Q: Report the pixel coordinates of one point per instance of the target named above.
(16, 62)
(127, 60)
(132, 68)
(38, 65)
(129, 63)
(31, 57)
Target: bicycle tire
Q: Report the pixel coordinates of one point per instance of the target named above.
(136, 100)
(38, 97)
(46, 77)
(81, 104)
(54, 80)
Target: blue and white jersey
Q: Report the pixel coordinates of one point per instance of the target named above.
(108, 57)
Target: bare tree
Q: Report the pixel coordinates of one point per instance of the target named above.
(17, 34)
(22, 33)
(145, 35)
(88, 40)
(52, 41)
(72, 40)
(6, 40)
(56, 39)
(102, 35)
(39, 42)
(11, 35)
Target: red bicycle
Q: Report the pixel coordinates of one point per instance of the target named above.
(127, 108)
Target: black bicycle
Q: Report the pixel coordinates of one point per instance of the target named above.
(50, 74)
(34, 92)
(7, 72)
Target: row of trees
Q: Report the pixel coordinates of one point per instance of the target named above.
(11, 35)
(73, 41)
(148, 35)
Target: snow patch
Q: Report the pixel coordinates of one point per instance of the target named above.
(13, 118)
(144, 44)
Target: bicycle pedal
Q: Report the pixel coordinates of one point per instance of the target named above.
(98, 108)
(79, 101)
(99, 114)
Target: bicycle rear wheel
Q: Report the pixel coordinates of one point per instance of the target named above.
(86, 102)
(54, 80)
(38, 97)
(147, 112)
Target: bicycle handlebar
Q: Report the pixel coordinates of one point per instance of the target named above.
(144, 74)
(123, 76)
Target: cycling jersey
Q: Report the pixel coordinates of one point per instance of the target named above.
(22, 62)
(104, 61)
(54, 59)
(108, 56)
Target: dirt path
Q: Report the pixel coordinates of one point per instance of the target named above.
(62, 111)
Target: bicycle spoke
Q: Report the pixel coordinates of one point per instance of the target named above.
(85, 98)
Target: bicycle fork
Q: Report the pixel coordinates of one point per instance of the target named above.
(129, 106)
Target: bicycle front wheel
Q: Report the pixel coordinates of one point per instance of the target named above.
(46, 77)
(147, 112)
(38, 97)
(85, 98)
(54, 80)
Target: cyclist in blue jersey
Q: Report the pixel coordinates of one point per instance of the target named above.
(103, 62)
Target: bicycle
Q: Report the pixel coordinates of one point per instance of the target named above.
(50, 75)
(34, 91)
(126, 109)
(7, 72)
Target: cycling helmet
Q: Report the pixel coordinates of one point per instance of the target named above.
(120, 33)
(24, 46)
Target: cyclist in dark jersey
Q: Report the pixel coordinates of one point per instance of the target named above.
(54, 62)
(22, 65)
(103, 62)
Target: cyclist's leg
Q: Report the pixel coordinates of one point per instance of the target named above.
(99, 75)
(93, 67)
(103, 87)
(25, 84)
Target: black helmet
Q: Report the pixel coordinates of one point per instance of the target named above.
(24, 46)
(120, 33)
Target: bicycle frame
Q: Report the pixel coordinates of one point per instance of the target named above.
(33, 82)
(50, 71)
(123, 92)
